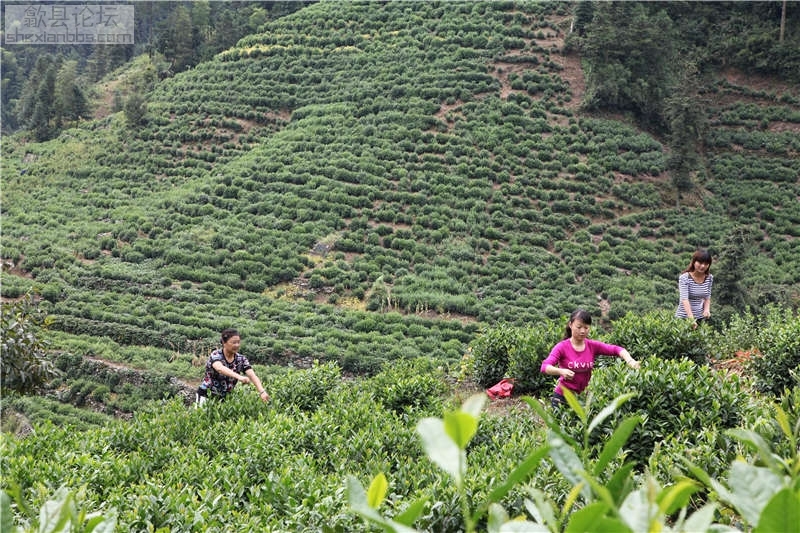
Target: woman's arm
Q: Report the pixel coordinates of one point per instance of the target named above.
(630, 361)
(551, 362)
(225, 371)
(262, 393)
(565, 373)
(683, 293)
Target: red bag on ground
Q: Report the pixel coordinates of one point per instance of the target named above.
(501, 390)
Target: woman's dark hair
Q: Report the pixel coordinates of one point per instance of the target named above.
(227, 334)
(578, 314)
(700, 256)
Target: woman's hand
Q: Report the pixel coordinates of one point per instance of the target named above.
(244, 380)
(567, 374)
(629, 360)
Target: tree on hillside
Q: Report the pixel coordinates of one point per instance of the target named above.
(10, 89)
(34, 110)
(687, 123)
(631, 57)
(24, 365)
(70, 101)
(135, 109)
(176, 42)
(730, 295)
(584, 11)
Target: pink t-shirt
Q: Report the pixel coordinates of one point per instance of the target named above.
(563, 355)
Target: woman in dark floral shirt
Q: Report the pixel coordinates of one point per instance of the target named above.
(226, 367)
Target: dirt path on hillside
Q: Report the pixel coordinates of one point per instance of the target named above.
(186, 388)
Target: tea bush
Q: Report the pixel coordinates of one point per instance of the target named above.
(604, 495)
(776, 368)
(305, 389)
(660, 334)
(410, 384)
(491, 352)
(674, 398)
(515, 352)
(741, 334)
(525, 361)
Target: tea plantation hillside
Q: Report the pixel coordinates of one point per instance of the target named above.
(368, 182)
(396, 203)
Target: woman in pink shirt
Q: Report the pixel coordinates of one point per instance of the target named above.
(572, 359)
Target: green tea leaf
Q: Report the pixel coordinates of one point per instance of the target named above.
(621, 483)
(497, 517)
(701, 519)
(540, 508)
(377, 491)
(567, 461)
(783, 421)
(609, 410)
(442, 449)
(615, 443)
(357, 498)
(522, 526)
(474, 405)
(461, 427)
(520, 473)
(757, 442)
(782, 513)
(6, 516)
(572, 401)
(55, 513)
(585, 519)
(637, 510)
(751, 488)
(412, 512)
(672, 498)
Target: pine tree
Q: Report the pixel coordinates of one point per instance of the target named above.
(687, 124)
(44, 106)
(70, 102)
(730, 294)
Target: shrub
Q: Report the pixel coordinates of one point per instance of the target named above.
(740, 334)
(660, 334)
(306, 388)
(24, 364)
(514, 352)
(417, 383)
(673, 397)
(490, 353)
(777, 367)
(525, 360)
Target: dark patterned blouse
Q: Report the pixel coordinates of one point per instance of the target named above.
(216, 383)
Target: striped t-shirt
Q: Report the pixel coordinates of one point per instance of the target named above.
(695, 292)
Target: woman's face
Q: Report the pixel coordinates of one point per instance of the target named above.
(580, 329)
(232, 345)
(701, 267)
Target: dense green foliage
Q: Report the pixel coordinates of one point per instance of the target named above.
(302, 187)
(776, 364)
(604, 496)
(279, 467)
(386, 190)
(23, 360)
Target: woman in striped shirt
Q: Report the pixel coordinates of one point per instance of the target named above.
(694, 288)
